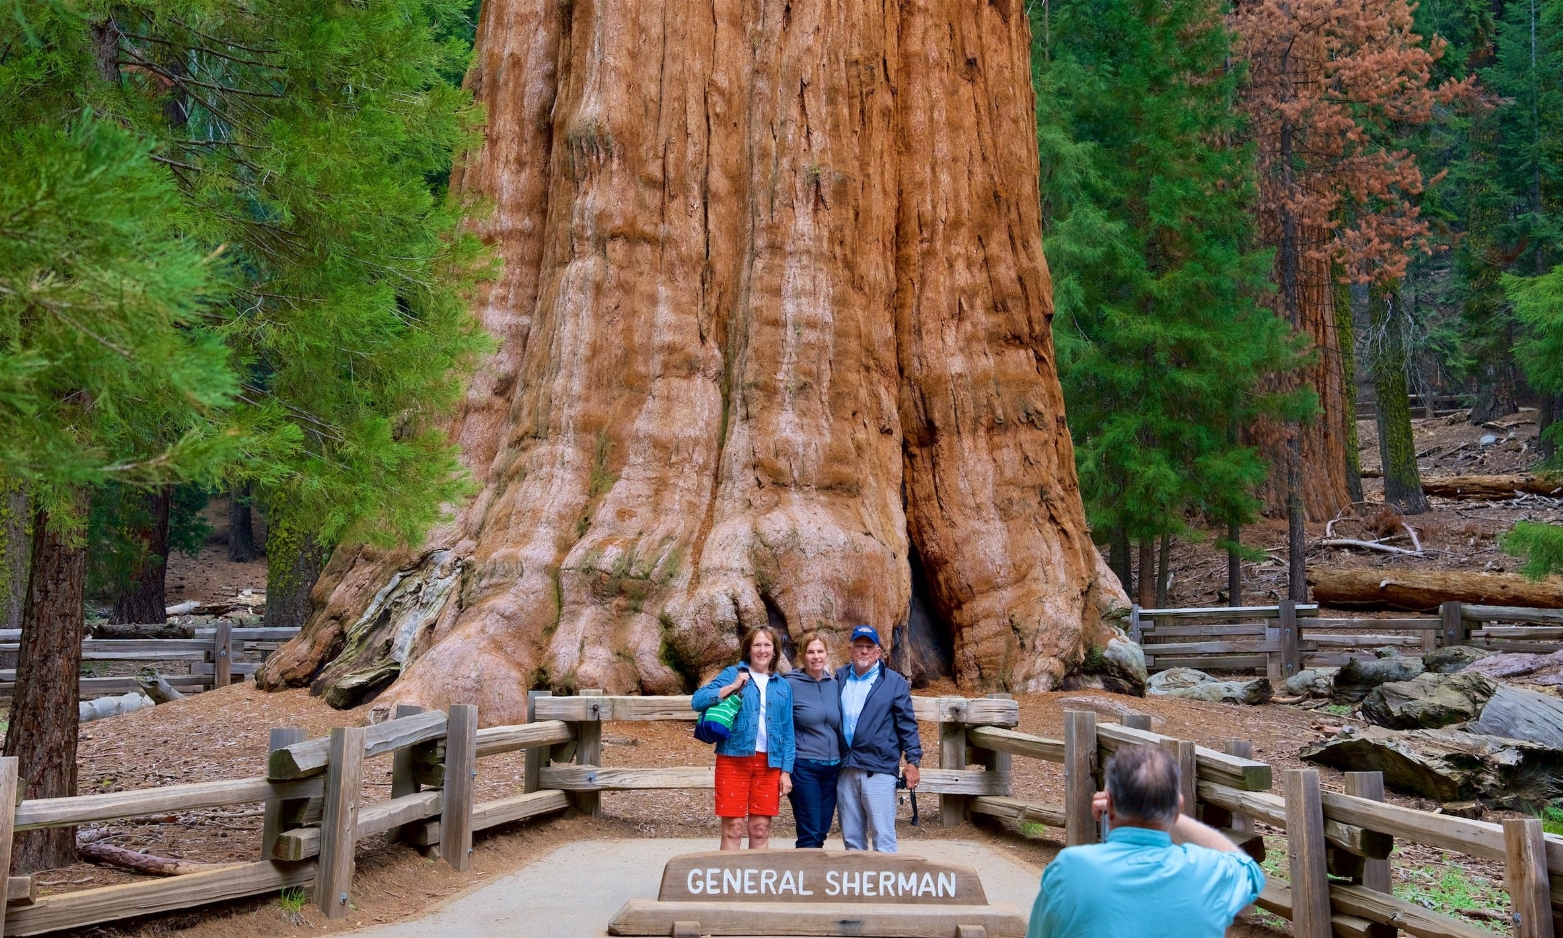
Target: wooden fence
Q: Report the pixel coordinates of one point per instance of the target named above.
(222, 643)
(314, 816)
(1280, 640)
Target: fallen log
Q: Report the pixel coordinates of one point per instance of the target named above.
(102, 707)
(1492, 487)
(1424, 590)
(136, 861)
(119, 630)
(155, 686)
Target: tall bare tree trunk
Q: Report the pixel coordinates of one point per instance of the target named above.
(1397, 446)
(774, 312)
(241, 525)
(141, 600)
(1234, 566)
(43, 722)
(294, 561)
(1146, 582)
(1346, 335)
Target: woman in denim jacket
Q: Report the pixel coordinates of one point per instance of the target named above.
(754, 763)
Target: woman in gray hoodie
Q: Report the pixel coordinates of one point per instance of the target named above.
(816, 722)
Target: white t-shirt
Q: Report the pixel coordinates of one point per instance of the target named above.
(760, 683)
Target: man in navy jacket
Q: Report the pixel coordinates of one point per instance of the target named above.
(877, 728)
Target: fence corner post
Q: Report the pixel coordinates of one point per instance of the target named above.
(1288, 625)
(1182, 752)
(1135, 631)
(339, 821)
(1370, 785)
(1453, 617)
(952, 755)
(1525, 876)
(588, 751)
(536, 756)
(8, 782)
(1079, 776)
(1305, 845)
(281, 738)
(461, 755)
(222, 654)
(404, 769)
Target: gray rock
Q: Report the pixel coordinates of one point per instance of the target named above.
(1517, 713)
(1452, 658)
(1189, 684)
(1428, 701)
(1487, 440)
(1126, 663)
(1449, 765)
(1386, 651)
(1313, 682)
(1520, 666)
(1356, 677)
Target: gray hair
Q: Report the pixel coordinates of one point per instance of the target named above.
(1144, 783)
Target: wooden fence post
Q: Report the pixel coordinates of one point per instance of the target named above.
(1079, 777)
(1182, 752)
(1288, 628)
(1525, 876)
(588, 751)
(1453, 617)
(1305, 849)
(1136, 630)
(536, 756)
(339, 820)
(1138, 721)
(222, 645)
(461, 761)
(1244, 749)
(952, 755)
(281, 737)
(404, 768)
(1370, 785)
(8, 771)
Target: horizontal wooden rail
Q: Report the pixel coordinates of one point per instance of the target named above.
(1475, 613)
(595, 778)
(494, 740)
(251, 634)
(1229, 612)
(84, 809)
(101, 686)
(1017, 744)
(963, 782)
(91, 906)
(1356, 641)
(1356, 906)
(310, 757)
(1413, 625)
(304, 842)
(1219, 648)
(1233, 771)
(488, 814)
(1202, 630)
(1532, 632)
(976, 711)
(1219, 662)
(1271, 809)
(1017, 810)
(137, 649)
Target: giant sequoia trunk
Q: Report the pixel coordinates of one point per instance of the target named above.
(774, 314)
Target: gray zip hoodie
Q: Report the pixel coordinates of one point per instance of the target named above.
(816, 715)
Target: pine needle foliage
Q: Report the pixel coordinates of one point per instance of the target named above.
(1164, 348)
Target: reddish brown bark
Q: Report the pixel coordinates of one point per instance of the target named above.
(774, 313)
(141, 600)
(43, 727)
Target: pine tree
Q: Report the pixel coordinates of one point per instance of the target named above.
(1538, 303)
(1162, 344)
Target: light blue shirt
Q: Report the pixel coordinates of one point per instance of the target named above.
(1139, 883)
(853, 694)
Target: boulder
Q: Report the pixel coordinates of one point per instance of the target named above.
(1449, 765)
(1125, 664)
(1313, 682)
(1520, 666)
(1428, 701)
(1189, 684)
(1452, 658)
(1517, 713)
(1356, 677)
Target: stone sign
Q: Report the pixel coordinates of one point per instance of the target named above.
(817, 876)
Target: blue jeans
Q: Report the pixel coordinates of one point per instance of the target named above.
(867, 809)
(813, 800)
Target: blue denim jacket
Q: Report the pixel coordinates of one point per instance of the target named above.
(780, 748)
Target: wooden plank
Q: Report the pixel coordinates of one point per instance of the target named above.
(1525, 878)
(1201, 631)
(1397, 625)
(461, 753)
(89, 687)
(1370, 785)
(588, 751)
(1080, 768)
(533, 737)
(1356, 904)
(1501, 645)
(536, 756)
(271, 826)
(1182, 753)
(207, 669)
(1018, 810)
(1136, 721)
(1016, 743)
(593, 778)
(952, 756)
(871, 920)
(982, 711)
(1271, 809)
(991, 760)
(1213, 766)
(517, 808)
(253, 634)
(1211, 648)
(222, 653)
(1536, 633)
(1478, 613)
(339, 820)
(19, 890)
(1305, 846)
(8, 782)
(1238, 821)
(1310, 610)
(1453, 623)
(404, 779)
(82, 809)
(309, 758)
(105, 904)
(1289, 638)
(1361, 641)
(1235, 663)
(965, 782)
(303, 843)
(816, 876)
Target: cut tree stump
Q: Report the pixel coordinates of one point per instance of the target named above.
(1428, 589)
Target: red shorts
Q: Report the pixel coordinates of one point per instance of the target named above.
(746, 785)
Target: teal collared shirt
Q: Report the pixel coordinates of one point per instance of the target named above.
(1139, 883)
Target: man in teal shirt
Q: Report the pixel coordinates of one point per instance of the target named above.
(1141, 882)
